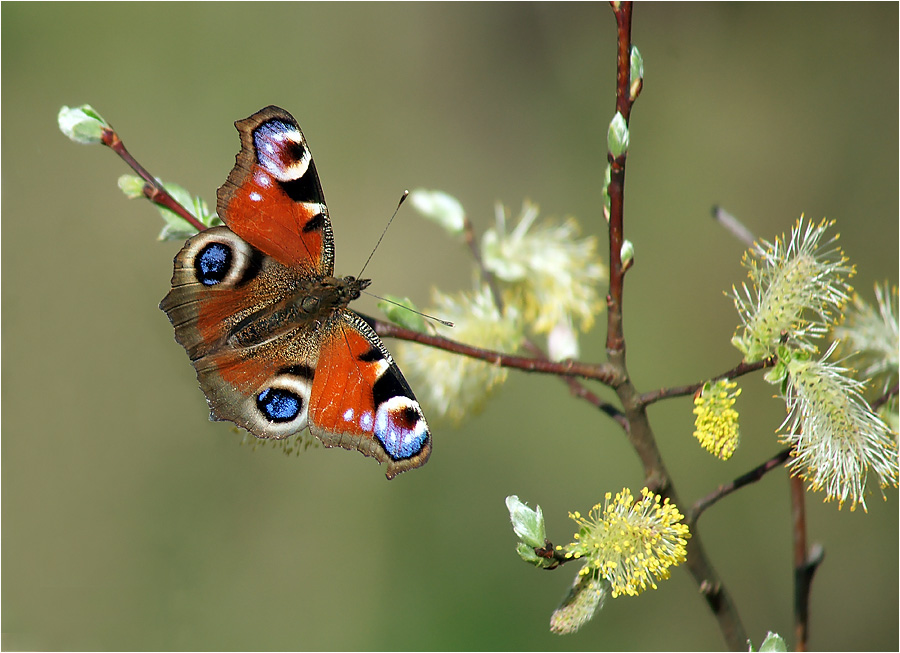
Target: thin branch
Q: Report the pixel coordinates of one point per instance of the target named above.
(615, 339)
(602, 372)
(487, 275)
(153, 190)
(806, 562)
(640, 433)
(722, 491)
(578, 390)
(680, 391)
(550, 552)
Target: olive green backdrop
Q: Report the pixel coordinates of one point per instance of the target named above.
(131, 522)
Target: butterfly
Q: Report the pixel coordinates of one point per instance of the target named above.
(266, 324)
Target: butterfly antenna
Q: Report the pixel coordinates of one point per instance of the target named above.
(380, 238)
(446, 323)
(385, 299)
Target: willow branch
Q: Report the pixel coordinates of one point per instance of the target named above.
(806, 562)
(640, 433)
(487, 275)
(723, 491)
(152, 190)
(550, 552)
(601, 372)
(681, 391)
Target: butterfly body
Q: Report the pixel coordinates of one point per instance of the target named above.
(266, 324)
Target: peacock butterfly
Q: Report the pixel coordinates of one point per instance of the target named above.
(265, 323)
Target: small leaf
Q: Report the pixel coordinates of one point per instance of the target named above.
(176, 227)
(528, 555)
(528, 524)
(132, 186)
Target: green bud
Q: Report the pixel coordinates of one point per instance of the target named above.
(607, 179)
(773, 642)
(627, 253)
(617, 138)
(637, 65)
(637, 74)
(81, 124)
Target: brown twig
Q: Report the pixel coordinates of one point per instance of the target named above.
(153, 190)
(722, 491)
(578, 390)
(549, 552)
(601, 372)
(487, 275)
(640, 433)
(806, 562)
(680, 391)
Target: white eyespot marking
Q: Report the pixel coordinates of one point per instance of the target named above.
(255, 197)
(262, 179)
(348, 415)
(366, 420)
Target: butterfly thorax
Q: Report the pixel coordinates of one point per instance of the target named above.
(312, 301)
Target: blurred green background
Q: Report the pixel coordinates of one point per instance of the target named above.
(131, 522)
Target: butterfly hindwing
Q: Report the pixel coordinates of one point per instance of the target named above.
(360, 400)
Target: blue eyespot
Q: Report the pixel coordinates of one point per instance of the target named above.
(213, 263)
(401, 430)
(279, 405)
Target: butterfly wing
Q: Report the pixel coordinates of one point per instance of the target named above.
(360, 400)
(227, 304)
(272, 197)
